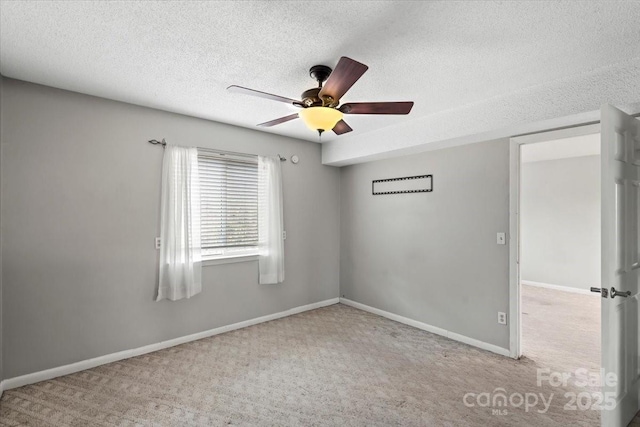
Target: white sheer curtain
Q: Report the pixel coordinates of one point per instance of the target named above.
(180, 260)
(270, 221)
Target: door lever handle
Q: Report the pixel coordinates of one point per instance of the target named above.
(615, 293)
(602, 291)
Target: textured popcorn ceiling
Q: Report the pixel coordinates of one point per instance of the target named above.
(470, 67)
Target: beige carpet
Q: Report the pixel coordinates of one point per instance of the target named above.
(332, 366)
(561, 330)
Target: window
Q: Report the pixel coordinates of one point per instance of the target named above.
(228, 205)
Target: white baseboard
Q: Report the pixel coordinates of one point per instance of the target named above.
(114, 357)
(429, 328)
(559, 288)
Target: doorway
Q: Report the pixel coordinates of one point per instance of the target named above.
(620, 231)
(560, 253)
(556, 200)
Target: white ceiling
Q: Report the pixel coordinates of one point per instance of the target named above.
(577, 146)
(462, 63)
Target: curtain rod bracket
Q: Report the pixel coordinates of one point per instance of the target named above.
(156, 142)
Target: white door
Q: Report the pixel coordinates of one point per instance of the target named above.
(620, 155)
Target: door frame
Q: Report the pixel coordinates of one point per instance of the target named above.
(515, 143)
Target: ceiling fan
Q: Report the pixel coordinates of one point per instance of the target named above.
(321, 109)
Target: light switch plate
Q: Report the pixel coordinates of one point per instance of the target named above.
(502, 238)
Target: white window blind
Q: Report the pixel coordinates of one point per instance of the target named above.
(229, 205)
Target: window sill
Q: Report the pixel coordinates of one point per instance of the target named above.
(229, 260)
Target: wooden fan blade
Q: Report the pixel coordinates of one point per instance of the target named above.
(278, 121)
(377, 108)
(341, 127)
(252, 92)
(346, 73)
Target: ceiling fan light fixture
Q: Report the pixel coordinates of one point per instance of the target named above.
(320, 118)
(319, 105)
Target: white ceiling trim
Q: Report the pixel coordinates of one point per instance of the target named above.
(568, 102)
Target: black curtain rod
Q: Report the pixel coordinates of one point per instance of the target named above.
(164, 144)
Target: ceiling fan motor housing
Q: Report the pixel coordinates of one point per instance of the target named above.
(310, 98)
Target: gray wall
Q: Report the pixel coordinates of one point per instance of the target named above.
(431, 257)
(80, 210)
(560, 222)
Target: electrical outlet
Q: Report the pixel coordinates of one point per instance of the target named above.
(502, 318)
(284, 235)
(158, 242)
